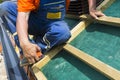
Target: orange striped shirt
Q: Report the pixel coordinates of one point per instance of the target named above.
(30, 5)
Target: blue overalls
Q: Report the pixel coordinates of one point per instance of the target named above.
(46, 24)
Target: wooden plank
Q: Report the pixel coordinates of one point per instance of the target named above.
(78, 29)
(103, 20)
(39, 75)
(93, 62)
(105, 4)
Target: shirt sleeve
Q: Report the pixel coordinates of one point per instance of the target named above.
(27, 5)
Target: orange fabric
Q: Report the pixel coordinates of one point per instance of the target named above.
(29, 5)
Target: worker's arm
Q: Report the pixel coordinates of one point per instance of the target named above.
(22, 26)
(29, 49)
(92, 9)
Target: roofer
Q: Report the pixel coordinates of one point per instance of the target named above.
(42, 18)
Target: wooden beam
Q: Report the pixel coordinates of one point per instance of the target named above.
(78, 29)
(93, 62)
(105, 4)
(39, 75)
(103, 20)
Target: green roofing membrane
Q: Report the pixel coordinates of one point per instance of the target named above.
(72, 22)
(66, 67)
(102, 42)
(114, 9)
(98, 40)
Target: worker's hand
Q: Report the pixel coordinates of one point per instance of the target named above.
(30, 50)
(95, 14)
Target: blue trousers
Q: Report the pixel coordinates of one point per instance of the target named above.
(46, 33)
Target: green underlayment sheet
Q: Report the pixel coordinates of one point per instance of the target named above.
(72, 22)
(114, 9)
(66, 67)
(97, 40)
(102, 42)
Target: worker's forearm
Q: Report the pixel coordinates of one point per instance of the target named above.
(92, 5)
(22, 27)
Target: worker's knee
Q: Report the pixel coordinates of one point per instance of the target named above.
(61, 34)
(60, 31)
(64, 32)
(64, 35)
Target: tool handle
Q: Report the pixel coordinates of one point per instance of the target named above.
(39, 54)
(0, 47)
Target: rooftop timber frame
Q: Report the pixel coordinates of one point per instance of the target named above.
(98, 65)
(108, 20)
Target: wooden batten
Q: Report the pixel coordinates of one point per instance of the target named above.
(103, 20)
(78, 29)
(39, 75)
(105, 4)
(94, 63)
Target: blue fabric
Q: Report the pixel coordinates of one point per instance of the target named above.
(53, 6)
(47, 32)
(10, 13)
(39, 19)
(57, 33)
